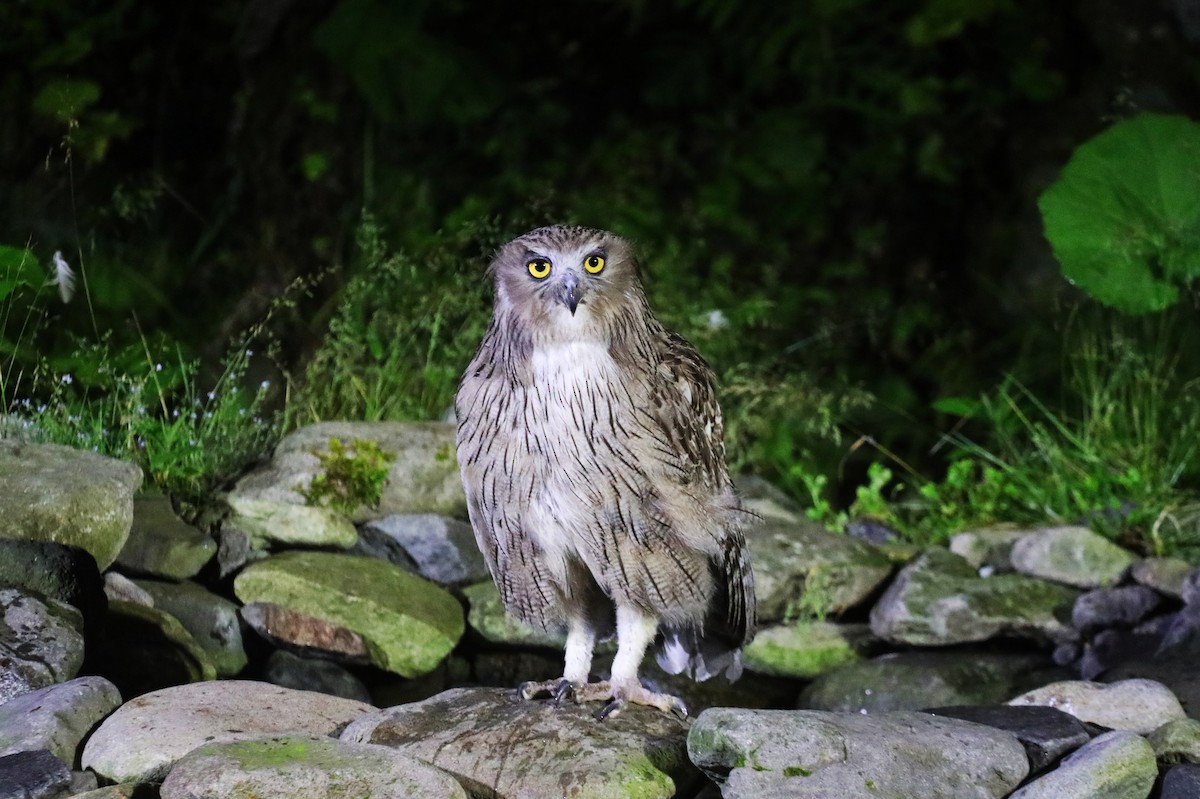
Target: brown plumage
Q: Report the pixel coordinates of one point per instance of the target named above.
(590, 445)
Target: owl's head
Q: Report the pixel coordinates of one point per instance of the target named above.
(566, 278)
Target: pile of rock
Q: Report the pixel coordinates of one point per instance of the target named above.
(933, 673)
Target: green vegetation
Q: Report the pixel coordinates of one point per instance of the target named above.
(350, 477)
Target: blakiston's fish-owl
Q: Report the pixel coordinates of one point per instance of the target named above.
(590, 445)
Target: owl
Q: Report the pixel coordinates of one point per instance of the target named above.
(590, 444)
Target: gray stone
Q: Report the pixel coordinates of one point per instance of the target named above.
(1136, 705)
(1071, 555)
(767, 501)
(59, 571)
(41, 642)
(988, 547)
(162, 544)
(921, 679)
(235, 550)
(126, 790)
(302, 767)
(801, 753)
(67, 496)
(33, 775)
(144, 649)
(423, 479)
(313, 674)
(1189, 592)
(806, 649)
(409, 623)
(441, 549)
(1113, 646)
(267, 521)
(498, 746)
(1177, 741)
(1116, 765)
(211, 620)
(57, 717)
(487, 617)
(939, 599)
(803, 563)
(1165, 575)
(1181, 782)
(146, 736)
(119, 588)
(1182, 634)
(1176, 671)
(1122, 606)
(1046, 732)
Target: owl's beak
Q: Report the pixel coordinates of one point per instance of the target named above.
(570, 293)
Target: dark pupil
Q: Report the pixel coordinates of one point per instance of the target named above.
(593, 261)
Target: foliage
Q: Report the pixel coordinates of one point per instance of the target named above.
(20, 278)
(1124, 218)
(350, 476)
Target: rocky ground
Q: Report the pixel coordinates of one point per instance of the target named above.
(270, 648)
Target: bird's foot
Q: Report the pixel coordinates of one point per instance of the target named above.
(621, 694)
(558, 690)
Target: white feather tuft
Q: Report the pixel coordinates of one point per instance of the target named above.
(64, 278)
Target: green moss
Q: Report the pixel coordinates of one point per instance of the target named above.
(797, 771)
(352, 476)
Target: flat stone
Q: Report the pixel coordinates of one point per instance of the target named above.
(211, 620)
(1177, 741)
(409, 624)
(119, 588)
(41, 642)
(144, 649)
(1071, 555)
(1122, 606)
(146, 736)
(988, 547)
(67, 496)
(59, 571)
(266, 520)
(1136, 705)
(831, 572)
(1165, 575)
(305, 635)
(423, 478)
(1046, 732)
(440, 549)
(805, 649)
(498, 746)
(1115, 765)
(313, 674)
(1176, 671)
(305, 767)
(33, 775)
(805, 753)
(56, 718)
(126, 790)
(487, 616)
(162, 544)
(939, 599)
(921, 679)
(1181, 782)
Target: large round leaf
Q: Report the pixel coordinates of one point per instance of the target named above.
(1124, 218)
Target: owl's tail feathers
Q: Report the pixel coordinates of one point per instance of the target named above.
(686, 651)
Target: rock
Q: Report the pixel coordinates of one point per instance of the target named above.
(67, 496)
(1165, 575)
(1046, 733)
(806, 753)
(806, 649)
(423, 479)
(265, 521)
(409, 624)
(1189, 592)
(1177, 741)
(126, 790)
(59, 571)
(767, 501)
(498, 746)
(804, 561)
(921, 679)
(235, 550)
(305, 635)
(41, 642)
(1182, 633)
(302, 767)
(313, 674)
(939, 599)
(33, 775)
(1123, 606)
(487, 617)
(1181, 782)
(441, 549)
(1116, 765)
(990, 547)
(162, 544)
(1113, 646)
(1071, 555)
(119, 588)
(1177, 672)
(211, 620)
(56, 718)
(144, 649)
(144, 737)
(1136, 705)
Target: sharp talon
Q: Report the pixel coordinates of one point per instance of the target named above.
(562, 691)
(527, 690)
(679, 709)
(611, 709)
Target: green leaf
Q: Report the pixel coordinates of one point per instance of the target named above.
(1124, 218)
(66, 98)
(18, 267)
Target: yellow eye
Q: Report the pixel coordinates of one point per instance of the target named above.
(594, 263)
(539, 268)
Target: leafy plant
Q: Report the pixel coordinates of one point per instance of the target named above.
(350, 476)
(1124, 218)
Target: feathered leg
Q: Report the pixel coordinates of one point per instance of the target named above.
(581, 640)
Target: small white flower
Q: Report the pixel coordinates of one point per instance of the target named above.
(158, 367)
(67, 379)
